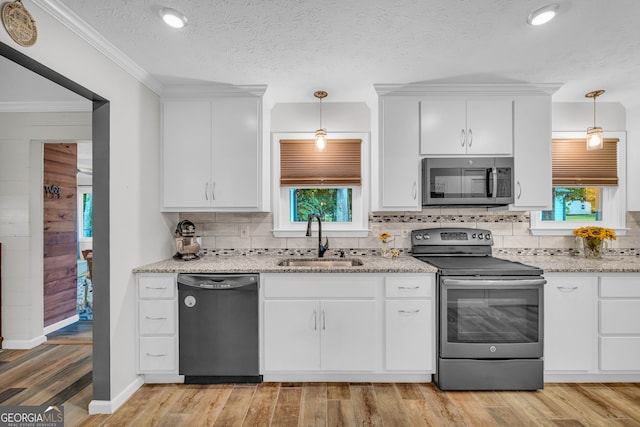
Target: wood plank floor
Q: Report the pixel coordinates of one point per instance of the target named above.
(61, 374)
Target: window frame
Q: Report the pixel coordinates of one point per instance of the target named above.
(614, 198)
(359, 225)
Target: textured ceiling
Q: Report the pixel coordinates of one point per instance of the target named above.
(345, 46)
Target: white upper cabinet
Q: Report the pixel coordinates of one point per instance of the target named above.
(212, 153)
(458, 125)
(532, 153)
(399, 157)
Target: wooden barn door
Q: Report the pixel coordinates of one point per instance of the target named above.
(60, 247)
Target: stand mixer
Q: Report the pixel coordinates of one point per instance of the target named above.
(187, 245)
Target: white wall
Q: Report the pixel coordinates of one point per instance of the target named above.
(139, 232)
(577, 116)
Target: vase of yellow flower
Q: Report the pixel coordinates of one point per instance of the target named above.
(386, 238)
(593, 239)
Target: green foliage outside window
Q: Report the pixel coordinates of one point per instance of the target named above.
(332, 204)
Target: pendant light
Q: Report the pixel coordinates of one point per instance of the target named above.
(595, 140)
(321, 133)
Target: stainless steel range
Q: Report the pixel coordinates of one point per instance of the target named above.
(489, 311)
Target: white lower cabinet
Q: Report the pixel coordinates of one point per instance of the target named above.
(410, 323)
(320, 335)
(570, 322)
(352, 326)
(592, 327)
(157, 321)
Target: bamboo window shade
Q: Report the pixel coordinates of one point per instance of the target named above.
(301, 164)
(574, 166)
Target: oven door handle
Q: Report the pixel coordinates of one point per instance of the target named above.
(493, 282)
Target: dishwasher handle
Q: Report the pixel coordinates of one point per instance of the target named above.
(217, 282)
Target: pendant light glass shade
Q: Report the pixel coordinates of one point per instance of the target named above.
(595, 139)
(321, 133)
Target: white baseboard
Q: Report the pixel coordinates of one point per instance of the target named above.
(110, 406)
(23, 344)
(61, 324)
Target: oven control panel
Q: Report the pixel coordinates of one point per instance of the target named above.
(451, 236)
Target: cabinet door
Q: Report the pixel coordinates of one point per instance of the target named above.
(532, 153)
(349, 335)
(409, 337)
(570, 317)
(490, 126)
(291, 335)
(236, 166)
(186, 153)
(400, 172)
(443, 126)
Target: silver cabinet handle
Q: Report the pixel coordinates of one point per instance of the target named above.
(155, 318)
(206, 191)
(463, 138)
(567, 288)
(157, 355)
(409, 311)
(470, 138)
(408, 288)
(213, 189)
(315, 320)
(414, 190)
(156, 287)
(519, 189)
(324, 320)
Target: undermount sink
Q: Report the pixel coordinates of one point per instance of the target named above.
(319, 262)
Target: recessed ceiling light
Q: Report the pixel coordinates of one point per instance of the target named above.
(173, 18)
(543, 15)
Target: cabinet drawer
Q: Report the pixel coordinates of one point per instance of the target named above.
(620, 317)
(622, 286)
(157, 286)
(620, 353)
(158, 354)
(157, 317)
(408, 286)
(320, 286)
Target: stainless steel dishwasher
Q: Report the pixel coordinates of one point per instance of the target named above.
(218, 318)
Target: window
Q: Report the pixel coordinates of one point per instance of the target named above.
(85, 213)
(332, 204)
(588, 187)
(329, 184)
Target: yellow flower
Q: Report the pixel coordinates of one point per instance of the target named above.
(386, 237)
(592, 232)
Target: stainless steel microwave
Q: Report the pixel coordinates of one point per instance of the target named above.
(467, 181)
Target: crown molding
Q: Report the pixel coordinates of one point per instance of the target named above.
(46, 107)
(209, 90)
(73, 22)
(413, 89)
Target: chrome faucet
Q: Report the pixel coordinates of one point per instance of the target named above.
(321, 248)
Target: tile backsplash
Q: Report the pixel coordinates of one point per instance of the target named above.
(253, 231)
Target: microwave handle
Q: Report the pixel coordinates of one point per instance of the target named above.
(492, 182)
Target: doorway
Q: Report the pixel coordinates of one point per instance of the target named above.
(101, 270)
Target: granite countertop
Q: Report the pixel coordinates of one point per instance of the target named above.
(376, 264)
(578, 263)
(269, 264)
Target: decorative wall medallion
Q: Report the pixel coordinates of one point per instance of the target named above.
(19, 23)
